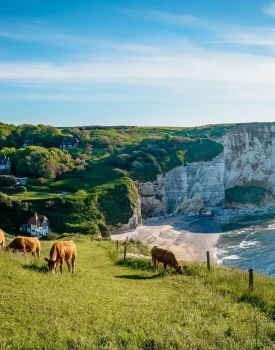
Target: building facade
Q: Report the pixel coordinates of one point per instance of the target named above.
(37, 225)
(69, 143)
(5, 165)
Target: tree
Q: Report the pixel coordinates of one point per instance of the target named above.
(88, 149)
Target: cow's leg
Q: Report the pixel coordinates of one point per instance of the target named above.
(157, 265)
(61, 266)
(154, 263)
(73, 263)
(24, 250)
(38, 252)
(165, 265)
(68, 264)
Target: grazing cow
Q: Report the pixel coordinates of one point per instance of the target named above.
(25, 244)
(165, 256)
(59, 252)
(2, 238)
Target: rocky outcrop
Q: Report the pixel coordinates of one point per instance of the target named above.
(181, 184)
(249, 156)
(134, 221)
(248, 159)
(194, 206)
(152, 198)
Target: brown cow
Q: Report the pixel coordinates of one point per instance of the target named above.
(59, 252)
(2, 238)
(25, 244)
(165, 256)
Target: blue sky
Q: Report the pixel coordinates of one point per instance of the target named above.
(145, 62)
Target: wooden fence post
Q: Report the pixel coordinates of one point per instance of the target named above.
(117, 245)
(208, 260)
(125, 245)
(251, 282)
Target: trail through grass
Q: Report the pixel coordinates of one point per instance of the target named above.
(107, 305)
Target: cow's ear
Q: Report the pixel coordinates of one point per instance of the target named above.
(46, 259)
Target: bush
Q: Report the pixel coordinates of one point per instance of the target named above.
(8, 180)
(50, 237)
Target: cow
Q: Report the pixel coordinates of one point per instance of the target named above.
(165, 256)
(25, 244)
(2, 238)
(59, 252)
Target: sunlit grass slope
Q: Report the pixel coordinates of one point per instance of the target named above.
(109, 305)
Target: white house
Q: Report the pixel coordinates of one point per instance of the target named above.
(38, 225)
(22, 180)
(5, 164)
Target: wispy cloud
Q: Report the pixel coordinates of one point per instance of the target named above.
(270, 9)
(44, 35)
(249, 36)
(182, 20)
(175, 66)
(201, 65)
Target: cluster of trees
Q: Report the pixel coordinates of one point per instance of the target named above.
(13, 212)
(49, 136)
(144, 161)
(43, 162)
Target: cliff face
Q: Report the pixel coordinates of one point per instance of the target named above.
(249, 155)
(248, 159)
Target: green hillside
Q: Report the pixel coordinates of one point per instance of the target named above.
(90, 187)
(107, 305)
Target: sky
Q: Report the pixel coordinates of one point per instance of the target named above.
(142, 62)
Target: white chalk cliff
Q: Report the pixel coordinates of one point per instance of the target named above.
(248, 159)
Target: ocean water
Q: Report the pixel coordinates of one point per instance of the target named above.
(249, 248)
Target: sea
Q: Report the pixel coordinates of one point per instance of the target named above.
(252, 247)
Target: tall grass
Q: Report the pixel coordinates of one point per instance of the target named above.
(106, 305)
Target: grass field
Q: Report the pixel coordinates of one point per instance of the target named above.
(109, 305)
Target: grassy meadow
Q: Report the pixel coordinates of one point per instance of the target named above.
(109, 304)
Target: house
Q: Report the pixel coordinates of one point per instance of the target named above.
(69, 142)
(27, 143)
(37, 225)
(22, 180)
(5, 165)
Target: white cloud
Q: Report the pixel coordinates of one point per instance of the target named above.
(270, 10)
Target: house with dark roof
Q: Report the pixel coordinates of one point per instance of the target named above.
(69, 142)
(27, 143)
(5, 165)
(37, 225)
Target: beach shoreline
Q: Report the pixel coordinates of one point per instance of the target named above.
(188, 237)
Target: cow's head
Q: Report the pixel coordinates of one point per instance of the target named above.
(179, 269)
(52, 264)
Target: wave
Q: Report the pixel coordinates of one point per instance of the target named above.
(231, 257)
(247, 244)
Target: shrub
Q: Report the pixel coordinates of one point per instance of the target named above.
(51, 236)
(8, 180)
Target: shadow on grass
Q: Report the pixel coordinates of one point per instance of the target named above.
(136, 264)
(37, 268)
(139, 277)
